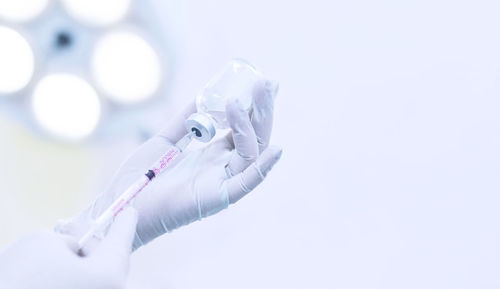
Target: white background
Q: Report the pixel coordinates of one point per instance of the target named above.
(388, 114)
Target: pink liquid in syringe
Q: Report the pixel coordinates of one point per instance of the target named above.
(125, 199)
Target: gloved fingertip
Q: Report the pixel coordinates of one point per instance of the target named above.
(237, 117)
(259, 91)
(276, 151)
(272, 88)
(71, 242)
(121, 234)
(263, 103)
(269, 158)
(62, 226)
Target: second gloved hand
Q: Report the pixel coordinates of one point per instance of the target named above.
(201, 182)
(48, 260)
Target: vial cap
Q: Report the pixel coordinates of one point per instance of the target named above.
(202, 125)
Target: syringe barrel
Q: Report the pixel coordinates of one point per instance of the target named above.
(98, 229)
(161, 164)
(124, 200)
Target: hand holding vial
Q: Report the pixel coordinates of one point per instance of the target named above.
(199, 183)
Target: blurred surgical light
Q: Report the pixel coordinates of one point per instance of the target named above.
(97, 12)
(17, 62)
(126, 67)
(113, 45)
(21, 10)
(66, 106)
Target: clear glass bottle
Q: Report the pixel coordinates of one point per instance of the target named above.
(235, 81)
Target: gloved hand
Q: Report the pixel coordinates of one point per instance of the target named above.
(49, 260)
(201, 182)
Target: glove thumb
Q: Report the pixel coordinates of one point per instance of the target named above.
(117, 244)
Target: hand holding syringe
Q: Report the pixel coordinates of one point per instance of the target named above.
(100, 226)
(218, 188)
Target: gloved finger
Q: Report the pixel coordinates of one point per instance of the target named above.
(72, 227)
(244, 138)
(71, 242)
(263, 108)
(240, 185)
(176, 129)
(117, 244)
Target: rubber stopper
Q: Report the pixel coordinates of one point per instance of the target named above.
(202, 125)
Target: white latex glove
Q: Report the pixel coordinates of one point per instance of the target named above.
(200, 182)
(49, 260)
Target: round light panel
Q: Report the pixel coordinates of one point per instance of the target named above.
(66, 106)
(17, 62)
(126, 67)
(97, 12)
(21, 10)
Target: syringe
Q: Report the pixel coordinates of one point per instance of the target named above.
(99, 227)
